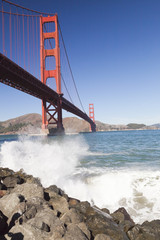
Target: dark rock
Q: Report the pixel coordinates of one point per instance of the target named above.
(6, 172)
(3, 223)
(16, 236)
(121, 215)
(13, 219)
(99, 224)
(46, 196)
(153, 226)
(2, 237)
(146, 231)
(2, 186)
(12, 181)
(122, 218)
(54, 188)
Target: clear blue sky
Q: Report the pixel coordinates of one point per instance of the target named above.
(114, 51)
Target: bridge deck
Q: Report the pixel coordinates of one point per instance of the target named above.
(14, 76)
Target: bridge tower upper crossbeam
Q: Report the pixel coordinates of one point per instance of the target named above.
(54, 111)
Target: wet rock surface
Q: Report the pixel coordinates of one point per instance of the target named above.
(29, 211)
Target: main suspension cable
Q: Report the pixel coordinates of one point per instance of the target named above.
(19, 14)
(28, 9)
(70, 68)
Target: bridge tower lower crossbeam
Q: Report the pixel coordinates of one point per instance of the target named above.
(51, 113)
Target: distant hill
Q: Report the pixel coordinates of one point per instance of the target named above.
(74, 125)
(31, 124)
(157, 125)
(27, 123)
(135, 126)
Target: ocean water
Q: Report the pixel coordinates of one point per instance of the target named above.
(108, 169)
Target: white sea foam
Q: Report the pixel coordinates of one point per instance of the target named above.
(52, 162)
(58, 162)
(137, 191)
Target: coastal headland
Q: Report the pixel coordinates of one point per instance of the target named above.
(31, 123)
(30, 211)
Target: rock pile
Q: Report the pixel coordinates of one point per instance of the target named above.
(30, 212)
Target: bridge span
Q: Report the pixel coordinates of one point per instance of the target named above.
(14, 76)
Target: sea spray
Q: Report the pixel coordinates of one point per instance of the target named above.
(52, 161)
(66, 162)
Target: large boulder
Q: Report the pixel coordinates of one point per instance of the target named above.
(26, 232)
(122, 218)
(29, 190)
(6, 172)
(59, 203)
(46, 221)
(121, 215)
(82, 207)
(54, 189)
(9, 202)
(146, 231)
(74, 233)
(84, 229)
(98, 223)
(12, 181)
(72, 216)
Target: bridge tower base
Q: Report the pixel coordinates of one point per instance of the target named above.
(51, 113)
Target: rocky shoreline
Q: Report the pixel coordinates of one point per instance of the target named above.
(30, 212)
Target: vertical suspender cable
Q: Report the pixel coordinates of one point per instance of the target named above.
(3, 36)
(17, 41)
(28, 41)
(33, 43)
(23, 46)
(38, 74)
(10, 30)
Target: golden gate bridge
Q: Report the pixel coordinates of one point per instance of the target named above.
(31, 41)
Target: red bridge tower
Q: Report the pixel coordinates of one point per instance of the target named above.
(54, 112)
(91, 113)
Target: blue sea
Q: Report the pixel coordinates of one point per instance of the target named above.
(108, 169)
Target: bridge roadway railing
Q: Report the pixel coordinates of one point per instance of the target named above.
(14, 76)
